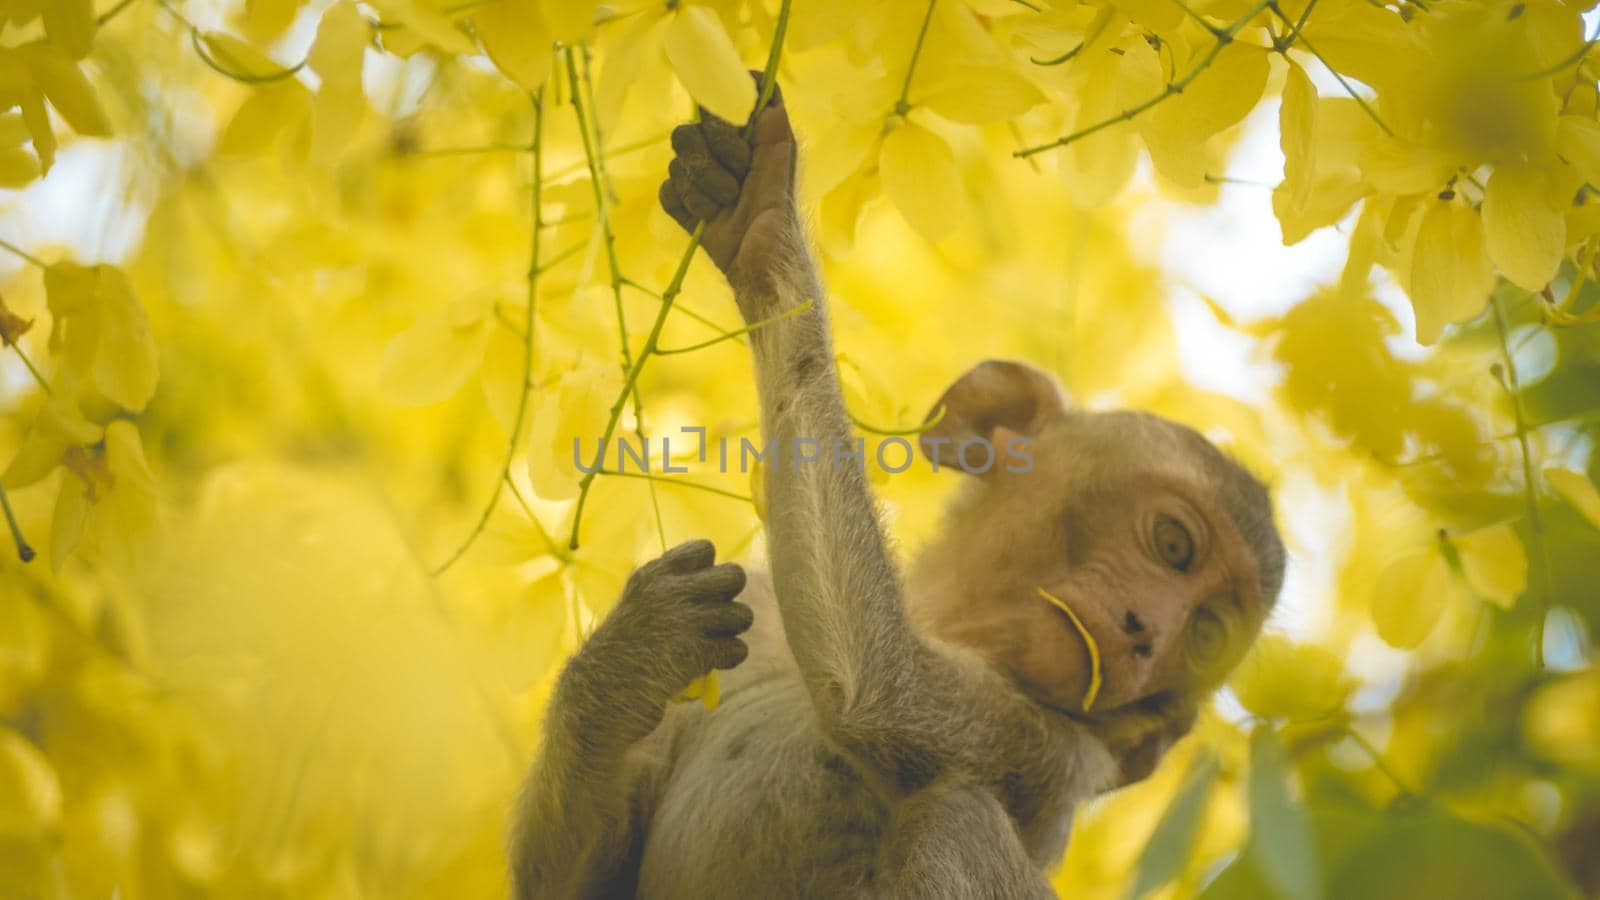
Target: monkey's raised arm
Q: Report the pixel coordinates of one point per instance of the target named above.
(837, 586)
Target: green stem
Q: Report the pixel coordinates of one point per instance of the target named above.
(736, 334)
(646, 476)
(904, 432)
(550, 545)
(1381, 763)
(1096, 27)
(216, 65)
(1348, 88)
(1535, 523)
(902, 106)
(674, 287)
(527, 339)
(24, 552)
(37, 375)
(1224, 37)
(583, 93)
(23, 254)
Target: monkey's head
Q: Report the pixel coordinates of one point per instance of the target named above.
(1162, 547)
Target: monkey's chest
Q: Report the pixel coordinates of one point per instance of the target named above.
(759, 806)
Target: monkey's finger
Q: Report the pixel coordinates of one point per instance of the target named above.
(689, 556)
(672, 202)
(718, 185)
(728, 619)
(726, 653)
(696, 202)
(720, 583)
(689, 143)
(726, 145)
(698, 174)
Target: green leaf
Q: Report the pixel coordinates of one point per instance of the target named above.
(1171, 843)
(1436, 854)
(1280, 846)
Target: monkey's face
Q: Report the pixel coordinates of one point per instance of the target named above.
(1134, 524)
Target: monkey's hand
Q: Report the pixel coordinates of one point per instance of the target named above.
(676, 621)
(742, 189)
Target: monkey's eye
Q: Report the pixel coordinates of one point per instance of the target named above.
(1207, 636)
(1173, 543)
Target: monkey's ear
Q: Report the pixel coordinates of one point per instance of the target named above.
(995, 394)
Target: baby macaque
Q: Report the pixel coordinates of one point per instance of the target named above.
(880, 736)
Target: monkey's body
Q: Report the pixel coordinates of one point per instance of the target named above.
(753, 800)
(881, 736)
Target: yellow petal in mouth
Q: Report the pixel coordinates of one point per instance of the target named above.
(1093, 690)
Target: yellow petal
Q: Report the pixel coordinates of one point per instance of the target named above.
(1096, 167)
(532, 629)
(68, 90)
(570, 21)
(66, 524)
(1450, 272)
(57, 426)
(13, 129)
(1296, 135)
(337, 58)
(1493, 561)
(125, 363)
(126, 525)
(707, 689)
(1578, 140)
(568, 423)
(18, 167)
(238, 57)
(920, 178)
(431, 25)
(1410, 595)
(265, 20)
(71, 25)
(514, 35)
(1577, 490)
(1524, 224)
(268, 112)
(30, 794)
(1282, 679)
(37, 118)
(430, 361)
(980, 94)
(708, 65)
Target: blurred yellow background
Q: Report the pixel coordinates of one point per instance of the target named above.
(278, 278)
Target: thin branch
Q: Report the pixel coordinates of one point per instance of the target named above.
(646, 476)
(550, 545)
(1379, 761)
(793, 311)
(901, 106)
(22, 254)
(215, 65)
(583, 92)
(675, 285)
(1529, 486)
(527, 339)
(37, 375)
(1224, 37)
(24, 552)
(1305, 42)
(903, 432)
(1097, 26)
